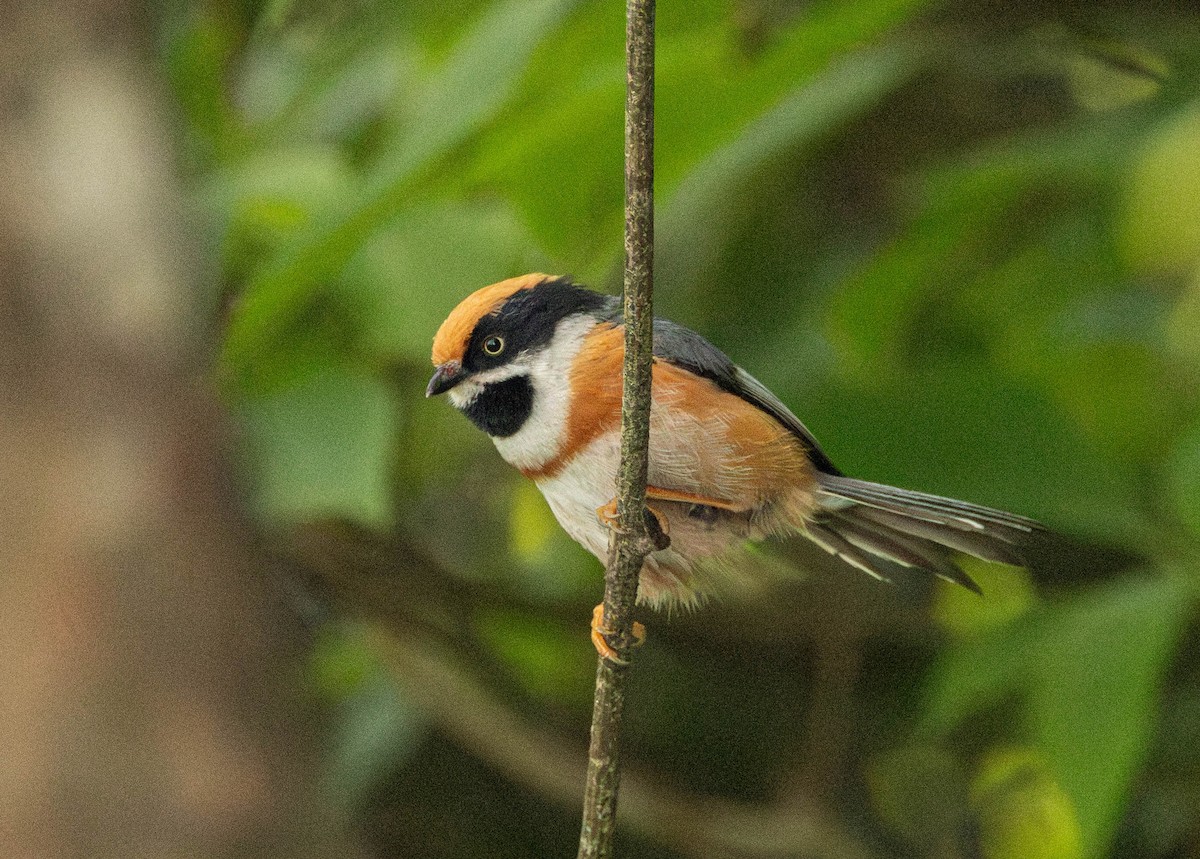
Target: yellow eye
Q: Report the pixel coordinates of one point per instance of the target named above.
(493, 345)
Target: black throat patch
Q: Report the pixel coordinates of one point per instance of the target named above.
(502, 408)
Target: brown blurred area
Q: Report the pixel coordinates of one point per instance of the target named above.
(147, 667)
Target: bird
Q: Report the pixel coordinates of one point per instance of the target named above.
(535, 362)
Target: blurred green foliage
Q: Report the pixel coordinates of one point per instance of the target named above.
(962, 241)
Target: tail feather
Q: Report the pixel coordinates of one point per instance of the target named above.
(902, 548)
(920, 505)
(835, 544)
(993, 544)
(873, 527)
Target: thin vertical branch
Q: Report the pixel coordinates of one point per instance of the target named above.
(631, 543)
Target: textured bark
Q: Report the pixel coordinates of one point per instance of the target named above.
(631, 543)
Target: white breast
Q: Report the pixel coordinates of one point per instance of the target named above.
(585, 484)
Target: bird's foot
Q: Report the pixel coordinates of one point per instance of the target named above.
(658, 530)
(607, 514)
(601, 631)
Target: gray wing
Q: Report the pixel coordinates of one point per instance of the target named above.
(754, 391)
(689, 350)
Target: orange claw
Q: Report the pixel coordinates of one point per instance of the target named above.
(600, 633)
(607, 514)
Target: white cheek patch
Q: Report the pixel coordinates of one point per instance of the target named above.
(540, 438)
(465, 392)
(500, 374)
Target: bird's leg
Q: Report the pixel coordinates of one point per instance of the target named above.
(601, 631)
(658, 530)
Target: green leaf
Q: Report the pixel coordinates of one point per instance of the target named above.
(531, 525)
(559, 157)
(1105, 73)
(377, 726)
(977, 674)
(1088, 671)
(321, 448)
(549, 566)
(340, 661)
(963, 228)
(411, 274)
(1183, 328)
(475, 80)
(1008, 594)
(697, 218)
(1184, 479)
(328, 86)
(1162, 206)
(264, 201)
(549, 661)
(1061, 313)
(197, 55)
(813, 43)
(967, 431)
(1095, 690)
(1022, 811)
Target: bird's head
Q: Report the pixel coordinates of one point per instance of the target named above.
(504, 342)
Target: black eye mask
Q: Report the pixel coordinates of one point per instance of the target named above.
(528, 319)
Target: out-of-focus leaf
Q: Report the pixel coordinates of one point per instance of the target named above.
(1008, 593)
(1183, 470)
(477, 77)
(378, 726)
(549, 661)
(531, 525)
(966, 224)
(1022, 811)
(325, 89)
(409, 276)
(1161, 229)
(1059, 313)
(564, 169)
(969, 432)
(438, 446)
(261, 203)
(474, 82)
(197, 53)
(1123, 396)
(321, 448)
(1095, 692)
(826, 33)
(549, 566)
(696, 221)
(1183, 327)
(921, 793)
(1104, 73)
(1088, 672)
(340, 662)
(275, 12)
(975, 675)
